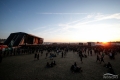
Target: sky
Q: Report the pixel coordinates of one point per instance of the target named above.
(62, 20)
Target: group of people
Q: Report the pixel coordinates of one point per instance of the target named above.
(48, 65)
(74, 68)
(63, 53)
(110, 68)
(52, 55)
(100, 58)
(64, 49)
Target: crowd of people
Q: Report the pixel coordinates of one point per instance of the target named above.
(62, 49)
(111, 50)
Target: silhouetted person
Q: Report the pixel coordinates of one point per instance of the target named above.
(102, 60)
(0, 58)
(111, 70)
(46, 55)
(98, 58)
(41, 52)
(72, 68)
(62, 54)
(75, 68)
(54, 63)
(102, 55)
(48, 65)
(80, 55)
(91, 52)
(38, 57)
(35, 56)
(110, 55)
(113, 55)
(51, 57)
(109, 65)
(75, 64)
(81, 59)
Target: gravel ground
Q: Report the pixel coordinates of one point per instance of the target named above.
(24, 67)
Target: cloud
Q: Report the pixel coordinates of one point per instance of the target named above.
(98, 17)
(62, 13)
(82, 29)
(89, 16)
(38, 28)
(85, 23)
(110, 16)
(78, 24)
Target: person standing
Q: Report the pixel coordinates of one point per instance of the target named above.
(46, 55)
(35, 55)
(62, 54)
(91, 52)
(38, 56)
(41, 52)
(98, 58)
(0, 57)
(80, 55)
(81, 59)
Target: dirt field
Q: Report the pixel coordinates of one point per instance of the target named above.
(24, 67)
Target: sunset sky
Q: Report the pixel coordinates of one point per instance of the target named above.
(62, 20)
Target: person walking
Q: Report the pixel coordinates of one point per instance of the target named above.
(38, 56)
(80, 55)
(102, 60)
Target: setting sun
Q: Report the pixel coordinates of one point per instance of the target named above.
(105, 43)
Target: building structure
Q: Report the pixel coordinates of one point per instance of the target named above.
(21, 38)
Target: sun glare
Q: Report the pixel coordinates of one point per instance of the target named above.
(105, 43)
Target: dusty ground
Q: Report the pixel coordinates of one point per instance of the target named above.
(24, 67)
